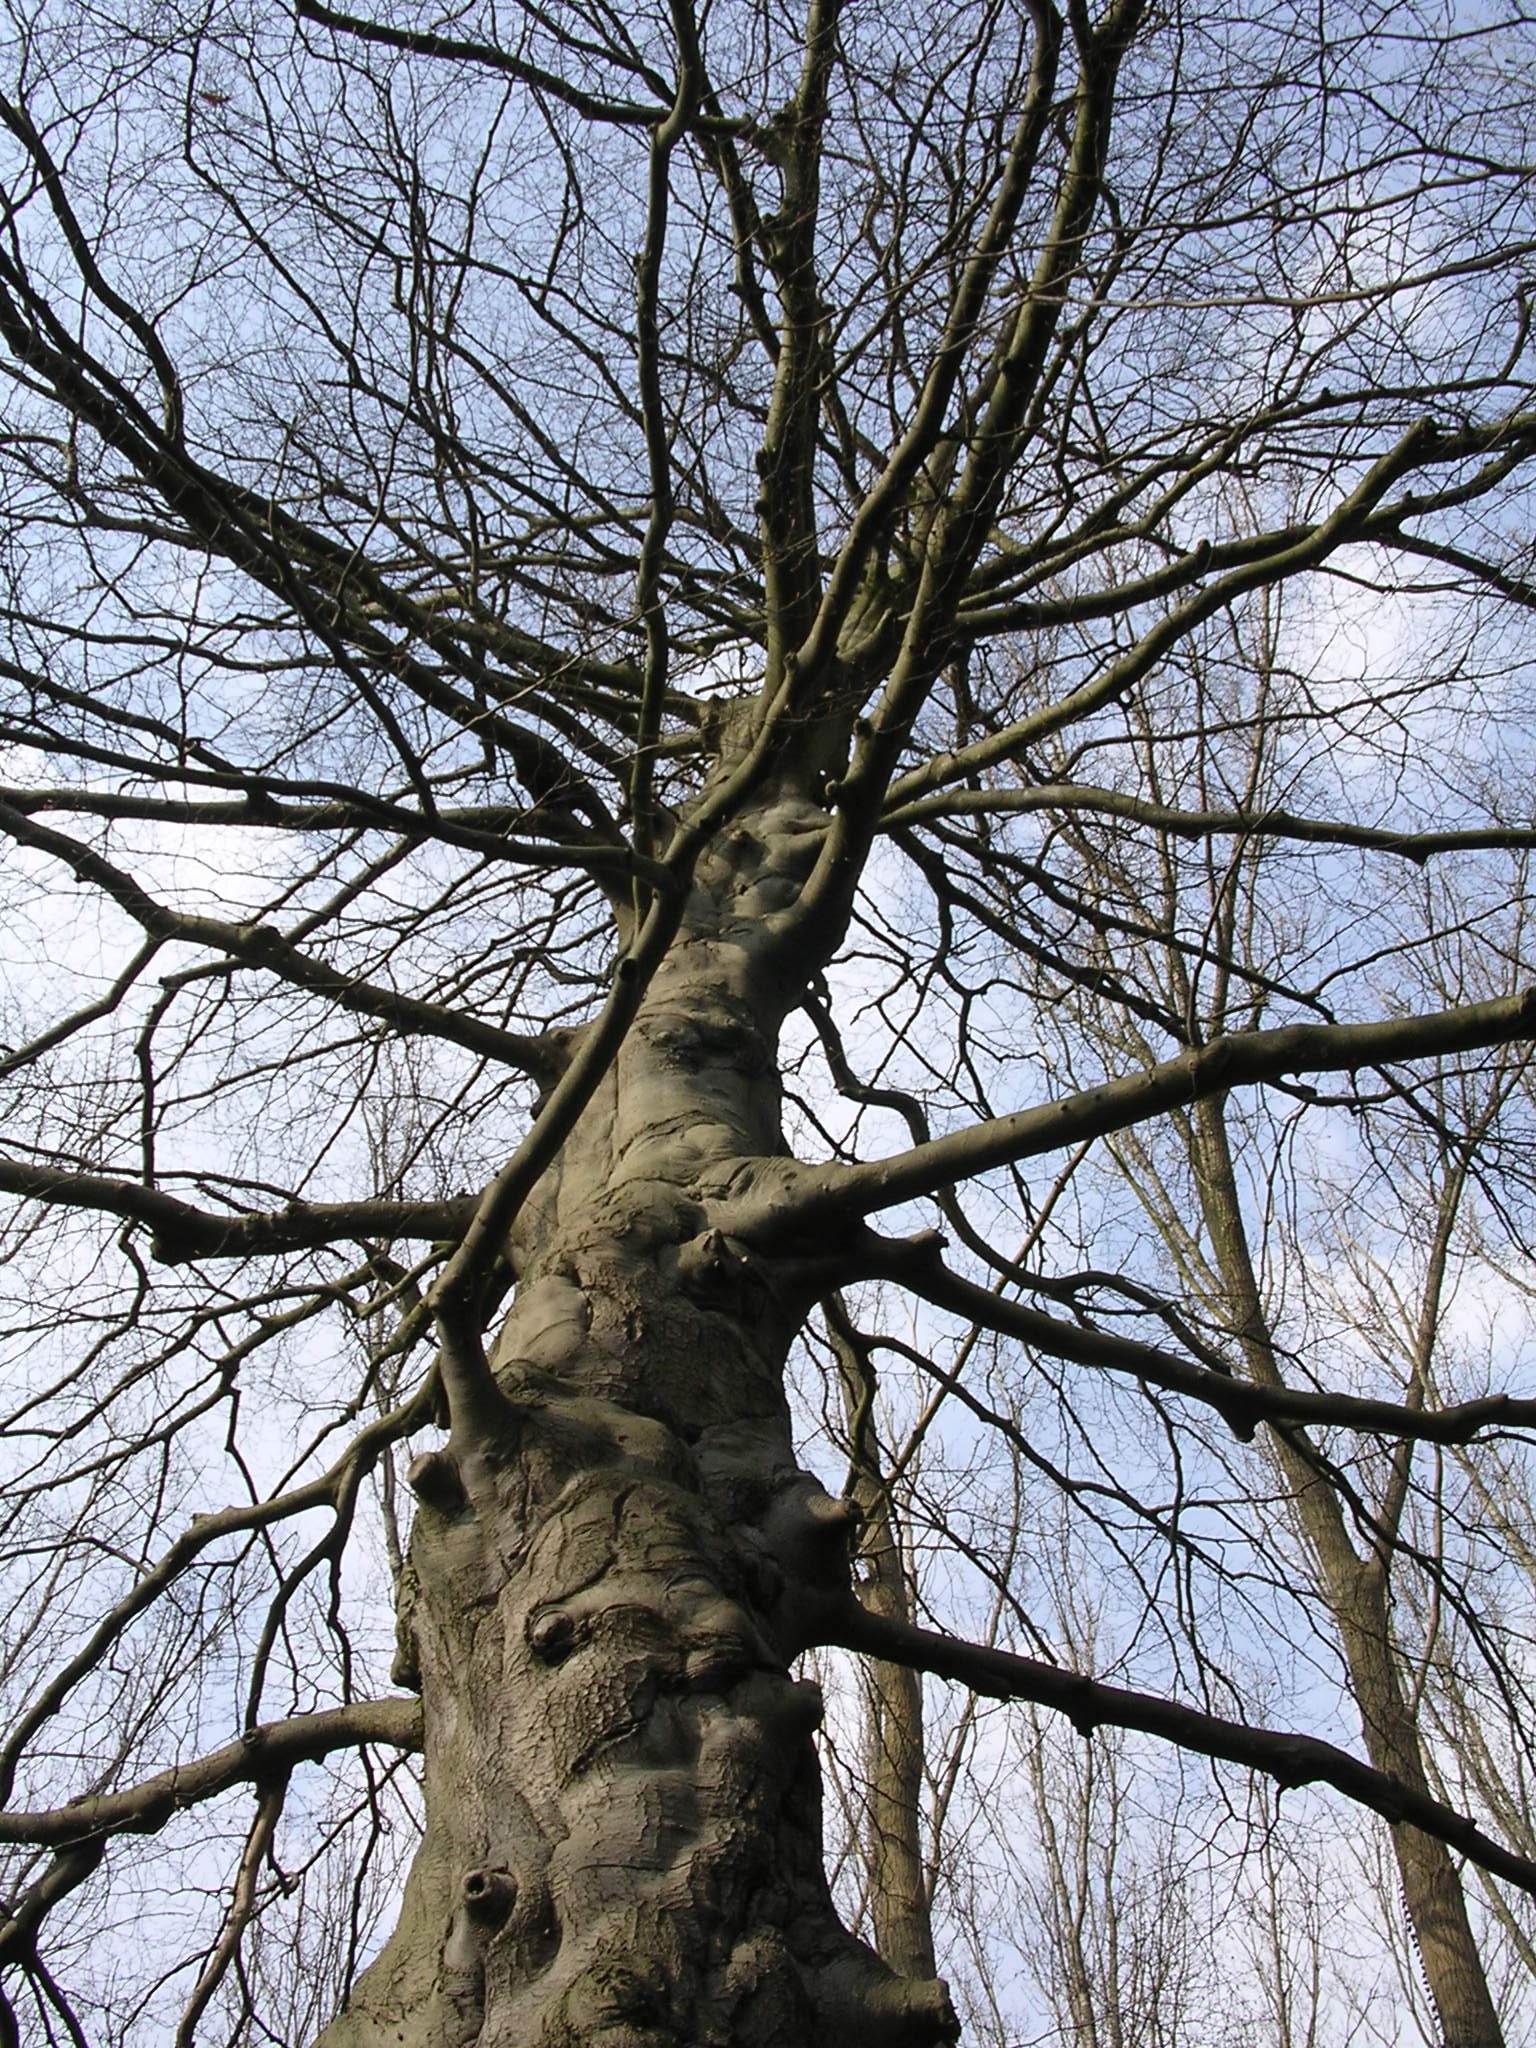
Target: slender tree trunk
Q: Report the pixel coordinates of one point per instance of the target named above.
(623, 1833)
(1356, 1590)
(903, 1922)
(900, 1908)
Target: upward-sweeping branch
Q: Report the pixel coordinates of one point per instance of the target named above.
(789, 1201)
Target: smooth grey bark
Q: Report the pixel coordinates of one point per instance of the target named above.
(613, 1568)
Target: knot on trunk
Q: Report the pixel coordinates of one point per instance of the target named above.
(717, 1272)
(804, 1540)
(436, 1481)
(865, 2005)
(489, 1894)
(621, 2002)
(552, 1635)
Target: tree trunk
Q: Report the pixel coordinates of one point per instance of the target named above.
(612, 1573)
(899, 1907)
(1356, 1591)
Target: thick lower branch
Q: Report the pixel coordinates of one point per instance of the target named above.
(1089, 1704)
(1207, 824)
(1241, 1404)
(272, 1749)
(183, 1232)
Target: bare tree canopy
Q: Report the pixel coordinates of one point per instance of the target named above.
(768, 786)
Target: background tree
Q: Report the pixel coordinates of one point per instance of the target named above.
(649, 661)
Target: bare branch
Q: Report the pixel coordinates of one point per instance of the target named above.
(1408, 843)
(1241, 1404)
(273, 1750)
(1290, 1760)
(814, 1199)
(259, 945)
(182, 1232)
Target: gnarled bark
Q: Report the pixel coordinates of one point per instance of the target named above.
(612, 1569)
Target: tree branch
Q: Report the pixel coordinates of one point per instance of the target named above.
(787, 1201)
(258, 945)
(1089, 1704)
(183, 1233)
(465, 50)
(1242, 1404)
(68, 1870)
(1294, 552)
(484, 829)
(1267, 824)
(205, 1529)
(270, 1751)
(258, 1844)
